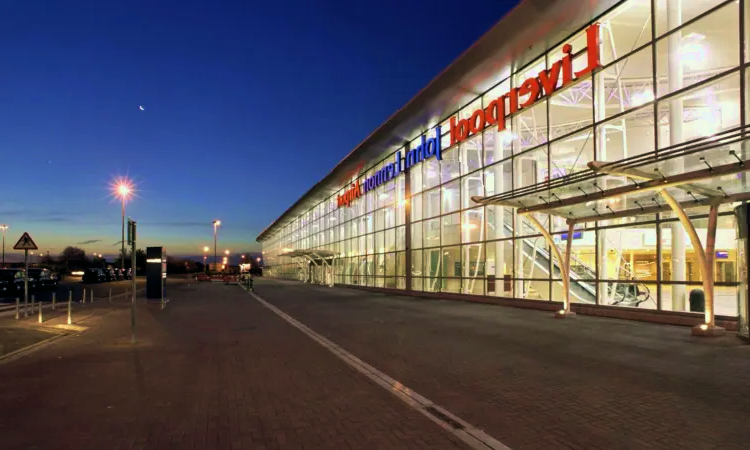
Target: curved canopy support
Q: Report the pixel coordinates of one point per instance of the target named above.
(564, 263)
(327, 267)
(705, 257)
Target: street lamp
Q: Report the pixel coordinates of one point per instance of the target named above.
(217, 224)
(205, 254)
(123, 188)
(3, 227)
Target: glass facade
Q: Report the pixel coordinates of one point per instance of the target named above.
(672, 71)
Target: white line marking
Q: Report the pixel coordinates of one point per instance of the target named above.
(470, 435)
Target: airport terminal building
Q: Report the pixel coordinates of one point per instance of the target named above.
(583, 156)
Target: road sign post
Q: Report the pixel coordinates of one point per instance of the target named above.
(131, 241)
(26, 243)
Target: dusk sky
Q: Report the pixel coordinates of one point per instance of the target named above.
(247, 105)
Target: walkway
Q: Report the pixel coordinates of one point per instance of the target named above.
(533, 382)
(214, 370)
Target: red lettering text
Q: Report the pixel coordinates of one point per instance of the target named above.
(531, 88)
(546, 83)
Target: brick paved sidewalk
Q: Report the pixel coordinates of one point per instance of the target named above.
(534, 382)
(214, 370)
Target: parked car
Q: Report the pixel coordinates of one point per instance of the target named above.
(202, 277)
(118, 274)
(11, 282)
(94, 276)
(127, 274)
(43, 278)
(109, 274)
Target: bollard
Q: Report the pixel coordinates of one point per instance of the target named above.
(33, 300)
(83, 300)
(40, 312)
(18, 308)
(25, 306)
(92, 296)
(110, 296)
(54, 300)
(70, 305)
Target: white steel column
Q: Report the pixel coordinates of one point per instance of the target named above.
(675, 82)
(708, 328)
(499, 176)
(600, 96)
(518, 291)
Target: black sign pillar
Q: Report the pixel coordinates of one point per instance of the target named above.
(156, 273)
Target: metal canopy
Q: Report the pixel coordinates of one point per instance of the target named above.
(694, 171)
(318, 254)
(706, 172)
(318, 258)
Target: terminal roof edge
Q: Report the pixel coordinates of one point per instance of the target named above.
(510, 40)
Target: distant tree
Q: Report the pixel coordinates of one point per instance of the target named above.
(47, 259)
(73, 257)
(140, 260)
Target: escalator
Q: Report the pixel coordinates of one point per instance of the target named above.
(582, 289)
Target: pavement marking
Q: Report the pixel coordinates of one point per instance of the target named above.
(12, 356)
(470, 435)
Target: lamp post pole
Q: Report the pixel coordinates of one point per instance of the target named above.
(122, 255)
(216, 258)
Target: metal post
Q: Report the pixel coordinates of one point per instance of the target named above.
(70, 306)
(26, 284)
(110, 296)
(132, 302)
(18, 308)
(92, 296)
(33, 304)
(40, 312)
(122, 256)
(54, 300)
(83, 299)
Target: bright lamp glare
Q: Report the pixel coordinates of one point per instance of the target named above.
(123, 188)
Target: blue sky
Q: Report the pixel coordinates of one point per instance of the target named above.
(242, 101)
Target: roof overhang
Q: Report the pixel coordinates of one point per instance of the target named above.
(523, 34)
(314, 254)
(706, 171)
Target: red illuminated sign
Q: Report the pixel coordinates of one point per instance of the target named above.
(347, 197)
(536, 88)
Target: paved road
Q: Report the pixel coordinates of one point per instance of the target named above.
(214, 370)
(534, 382)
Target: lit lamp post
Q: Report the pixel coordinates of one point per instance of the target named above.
(217, 224)
(3, 227)
(205, 255)
(123, 189)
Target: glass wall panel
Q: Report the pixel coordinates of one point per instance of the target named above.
(625, 136)
(471, 185)
(451, 196)
(472, 225)
(431, 201)
(431, 233)
(700, 50)
(451, 229)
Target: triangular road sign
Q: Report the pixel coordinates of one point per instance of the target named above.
(25, 243)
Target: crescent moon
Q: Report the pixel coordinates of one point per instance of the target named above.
(141, 108)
